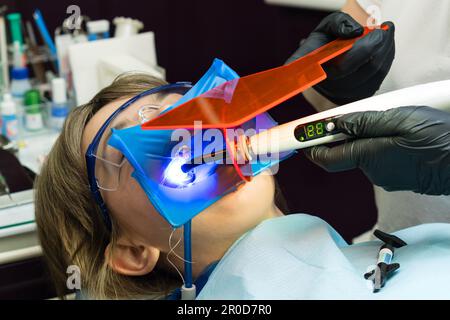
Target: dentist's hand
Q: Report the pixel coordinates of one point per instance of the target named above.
(405, 148)
(358, 73)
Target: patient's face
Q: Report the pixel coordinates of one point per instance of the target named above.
(223, 222)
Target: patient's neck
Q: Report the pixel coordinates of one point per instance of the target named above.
(214, 246)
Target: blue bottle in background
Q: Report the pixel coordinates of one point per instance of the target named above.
(20, 83)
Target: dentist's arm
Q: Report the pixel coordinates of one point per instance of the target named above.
(405, 148)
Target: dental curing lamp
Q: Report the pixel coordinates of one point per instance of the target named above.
(320, 128)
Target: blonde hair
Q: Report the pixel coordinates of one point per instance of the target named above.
(69, 222)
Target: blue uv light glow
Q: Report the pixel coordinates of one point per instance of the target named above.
(175, 177)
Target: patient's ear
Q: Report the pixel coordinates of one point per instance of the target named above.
(131, 259)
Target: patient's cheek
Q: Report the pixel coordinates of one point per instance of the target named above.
(131, 193)
(137, 214)
(129, 199)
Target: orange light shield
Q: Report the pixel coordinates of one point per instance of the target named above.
(237, 101)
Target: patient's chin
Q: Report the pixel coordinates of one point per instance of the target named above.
(252, 198)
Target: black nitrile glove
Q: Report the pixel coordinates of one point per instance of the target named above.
(405, 148)
(358, 73)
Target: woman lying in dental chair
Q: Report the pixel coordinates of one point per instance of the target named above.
(261, 253)
(243, 247)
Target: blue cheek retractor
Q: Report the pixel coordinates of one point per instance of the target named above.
(180, 196)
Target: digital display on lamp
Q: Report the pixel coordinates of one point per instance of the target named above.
(314, 130)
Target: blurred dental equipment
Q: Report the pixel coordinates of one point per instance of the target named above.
(33, 113)
(59, 109)
(126, 27)
(95, 64)
(15, 24)
(39, 19)
(98, 29)
(10, 123)
(34, 55)
(4, 75)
